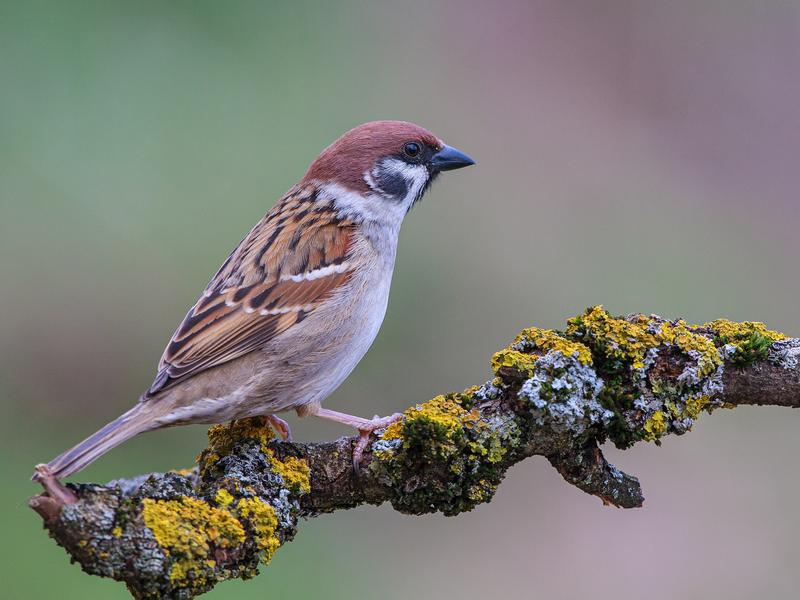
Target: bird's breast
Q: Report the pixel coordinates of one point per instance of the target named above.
(320, 352)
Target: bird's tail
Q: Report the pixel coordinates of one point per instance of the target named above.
(133, 422)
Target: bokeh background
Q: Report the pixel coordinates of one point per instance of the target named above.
(640, 154)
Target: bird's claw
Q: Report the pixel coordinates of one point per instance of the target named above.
(281, 427)
(364, 434)
(56, 495)
(53, 486)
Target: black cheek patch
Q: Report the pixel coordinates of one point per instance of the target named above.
(392, 183)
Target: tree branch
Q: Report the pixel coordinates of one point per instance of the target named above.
(555, 394)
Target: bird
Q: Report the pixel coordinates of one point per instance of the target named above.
(297, 304)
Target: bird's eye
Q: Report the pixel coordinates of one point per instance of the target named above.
(412, 149)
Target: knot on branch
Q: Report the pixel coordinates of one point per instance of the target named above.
(586, 468)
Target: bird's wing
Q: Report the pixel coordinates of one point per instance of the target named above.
(281, 272)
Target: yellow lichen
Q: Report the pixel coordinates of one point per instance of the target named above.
(630, 340)
(206, 459)
(655, 426)
(117, 532)
(514, 359)
(680, 411)
(681, 336)
(482, 491)
(623, 347)
(223, 497)
(695, 405)
(186, 529)
(548, 340)
(545, 340)
(444, 434)
(750, 339)
(180, 571)
(443, 426)
(619, 338)
(731, 332)
(446, 413)
(183, 568)
(691, 408)
(263, 521)
(294, 472)
(222, 438)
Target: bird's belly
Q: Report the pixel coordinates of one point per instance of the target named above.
(309, 365)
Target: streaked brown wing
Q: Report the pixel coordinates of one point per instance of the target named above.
(287, 265)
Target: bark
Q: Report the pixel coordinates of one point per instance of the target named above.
(555, 394)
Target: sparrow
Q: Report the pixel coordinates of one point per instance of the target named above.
(297, 304)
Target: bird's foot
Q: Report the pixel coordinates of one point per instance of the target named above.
(54, 488)
(365, 428)
(281, 427)
(56, 495)
(364, 433)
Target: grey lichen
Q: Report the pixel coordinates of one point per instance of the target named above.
(785, 353)
(563, 394)
(488, 391)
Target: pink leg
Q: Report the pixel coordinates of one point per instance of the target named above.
(365, 428)
(281, 427)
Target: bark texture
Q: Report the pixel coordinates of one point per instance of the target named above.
(557, 394)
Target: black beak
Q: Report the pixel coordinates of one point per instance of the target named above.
(448, 158)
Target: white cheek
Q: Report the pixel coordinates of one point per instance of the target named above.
(377, 207)
(415, 177)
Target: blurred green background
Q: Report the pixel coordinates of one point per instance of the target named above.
(640, 154)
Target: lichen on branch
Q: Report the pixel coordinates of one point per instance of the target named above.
(557, 394)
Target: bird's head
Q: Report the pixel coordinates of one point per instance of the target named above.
(383, 168)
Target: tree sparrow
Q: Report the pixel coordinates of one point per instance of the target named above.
(297, 304)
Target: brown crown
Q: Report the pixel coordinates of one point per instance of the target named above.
(347, 159)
